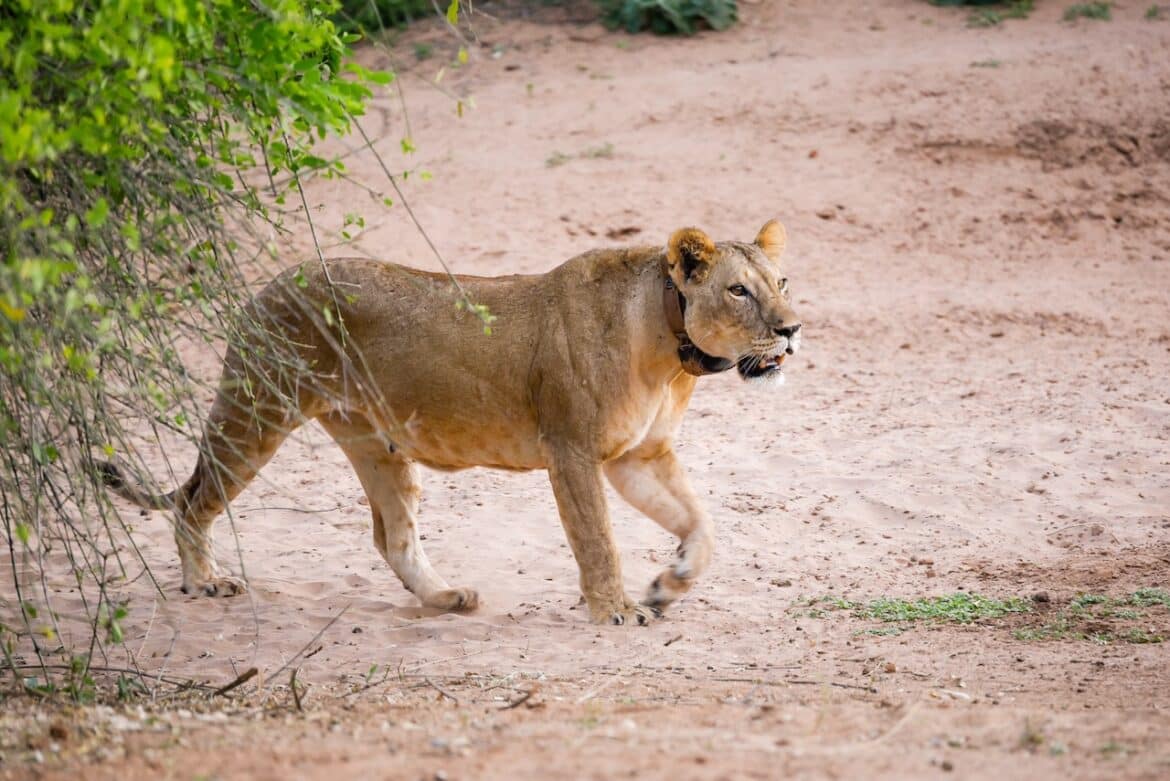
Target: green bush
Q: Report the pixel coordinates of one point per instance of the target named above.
(373, 15)
(142, 144)
(667, 16)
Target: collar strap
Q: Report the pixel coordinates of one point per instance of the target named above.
(694, 361)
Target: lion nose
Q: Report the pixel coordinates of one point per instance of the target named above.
(787, 331)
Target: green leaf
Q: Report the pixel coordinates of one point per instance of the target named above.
(453, 13)
(95, 216)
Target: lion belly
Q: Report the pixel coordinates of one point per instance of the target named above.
(446, 442)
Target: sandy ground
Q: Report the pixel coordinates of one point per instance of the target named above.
(979, 245)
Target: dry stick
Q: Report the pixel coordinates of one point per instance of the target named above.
(797, 681)
(440, 689)
(307, 645)
(243, 677)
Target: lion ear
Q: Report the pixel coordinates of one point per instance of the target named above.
(690, 253)
(771, 239)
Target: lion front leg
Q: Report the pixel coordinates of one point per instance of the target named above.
(652, 480)
(580, 495)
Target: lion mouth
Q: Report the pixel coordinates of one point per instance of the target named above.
(752, 367)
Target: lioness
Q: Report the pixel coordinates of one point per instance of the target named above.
(589, 373)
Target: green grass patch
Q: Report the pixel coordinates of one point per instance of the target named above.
(1102, 619)
(959, 608)
(1101, 11)
(1095, 618)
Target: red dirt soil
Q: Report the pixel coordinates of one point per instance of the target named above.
(979, 246)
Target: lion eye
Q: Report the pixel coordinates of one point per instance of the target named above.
(739, 291)
(784, 285)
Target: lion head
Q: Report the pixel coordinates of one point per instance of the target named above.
(737, 304)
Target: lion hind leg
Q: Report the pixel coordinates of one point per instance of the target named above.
(236, 444)
(392, 484)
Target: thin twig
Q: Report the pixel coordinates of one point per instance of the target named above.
(241, 679)
(440, 689)
(309, 644)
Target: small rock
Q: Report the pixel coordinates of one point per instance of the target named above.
(890, 667)
(826, 214)
(947, 765)
(930, 573)
(1041, 596)
(357, 630)
(782, 582)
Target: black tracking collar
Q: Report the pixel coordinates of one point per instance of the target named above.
(694, 361)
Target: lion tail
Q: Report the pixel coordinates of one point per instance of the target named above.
(132, 491)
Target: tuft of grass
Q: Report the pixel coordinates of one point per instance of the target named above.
(986, 18)
(602, 152)
(1102, 11)
(557, 159)
(1114, 749)
(423, 51)
(1148, 597)
(991, 17)
(1154, 12)
(986, 64)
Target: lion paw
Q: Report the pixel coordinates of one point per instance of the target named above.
(462, 599)
(666, 588)
(632, 615)
(219, 586)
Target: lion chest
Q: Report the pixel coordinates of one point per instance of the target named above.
(648, 415)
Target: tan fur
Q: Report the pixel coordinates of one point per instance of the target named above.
(580, 377)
